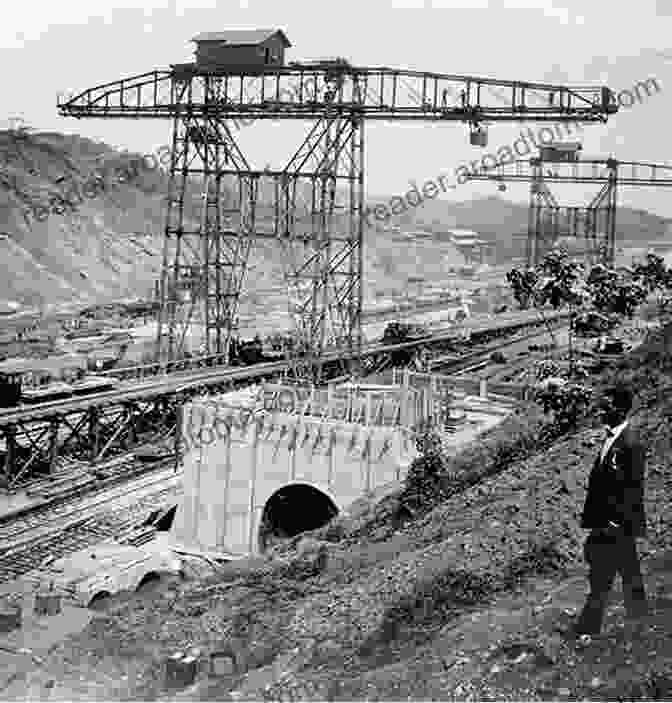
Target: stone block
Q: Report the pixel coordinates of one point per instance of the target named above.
(47, 604)
(10, 619)
(180, 670)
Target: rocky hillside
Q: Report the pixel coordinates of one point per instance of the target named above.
(506, 223)
(58, 246)
(456, 599)
(102, 248)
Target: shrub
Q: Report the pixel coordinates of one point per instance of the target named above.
(567, 401)
(423, 484)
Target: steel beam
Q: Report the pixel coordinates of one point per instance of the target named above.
(205, 253)
(596, 222)
(320, 230)
(301, 93)
(90, 428)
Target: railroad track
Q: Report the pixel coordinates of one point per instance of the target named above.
(66, 527)
(184, 380)
(78, 487)
(61, 526)
(479, 356)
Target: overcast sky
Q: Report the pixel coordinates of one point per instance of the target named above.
(71, 45)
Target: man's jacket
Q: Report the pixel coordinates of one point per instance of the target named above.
(616, 487)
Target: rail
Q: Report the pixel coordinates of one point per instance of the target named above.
(67, 526)
(35, 438)
(218, 360)
(173, 383)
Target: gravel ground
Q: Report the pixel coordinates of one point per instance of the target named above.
(458, 603)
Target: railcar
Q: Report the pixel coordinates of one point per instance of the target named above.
(34, 381)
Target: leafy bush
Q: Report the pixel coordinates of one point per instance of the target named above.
(567, 401)
(423, 484)
(432, 477)
(596, 299)
(546, 369)
(655, 277)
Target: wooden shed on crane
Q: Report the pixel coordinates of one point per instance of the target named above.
(239, 48)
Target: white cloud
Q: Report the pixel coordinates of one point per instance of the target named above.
(32, 18)
(462, 4)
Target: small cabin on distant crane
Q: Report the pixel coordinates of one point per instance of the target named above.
(560, 152)
(241, 48)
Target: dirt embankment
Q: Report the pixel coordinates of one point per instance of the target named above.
(458, 602)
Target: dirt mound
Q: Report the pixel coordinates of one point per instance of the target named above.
(458, 603)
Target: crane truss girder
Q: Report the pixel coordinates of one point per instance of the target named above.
(596, 222)
(549, 222)
(319, 223)
(205, 251)
(319, 227)
(305, 93)
(629, 173)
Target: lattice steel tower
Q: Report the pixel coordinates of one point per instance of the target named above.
(594, 223)
(316, 212)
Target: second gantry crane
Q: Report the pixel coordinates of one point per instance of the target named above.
(595, 222)
(314, 207)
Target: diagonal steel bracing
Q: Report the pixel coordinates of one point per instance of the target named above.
(317, 202)
(320, 202)
(205, 251)
(319, 196)
(595, 222)
(30, 448)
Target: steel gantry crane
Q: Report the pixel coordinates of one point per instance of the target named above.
(316, 211)
(595, 222)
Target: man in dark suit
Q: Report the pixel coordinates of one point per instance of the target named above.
(614, 514)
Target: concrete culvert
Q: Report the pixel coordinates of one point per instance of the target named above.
(292, 510)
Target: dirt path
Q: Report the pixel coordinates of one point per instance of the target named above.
(512, 651)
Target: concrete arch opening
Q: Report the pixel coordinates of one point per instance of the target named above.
(291, 510)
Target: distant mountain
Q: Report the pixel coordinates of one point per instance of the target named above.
(87, 253)
(59, 247)
(55, 247)
(506, 223)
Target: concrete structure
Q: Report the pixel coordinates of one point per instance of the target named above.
(288, 458)
(288, 462)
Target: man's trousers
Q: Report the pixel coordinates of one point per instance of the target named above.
(609, 554)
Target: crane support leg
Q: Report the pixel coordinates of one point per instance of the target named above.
(319, 223)
(205, 252)
(316, 204)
